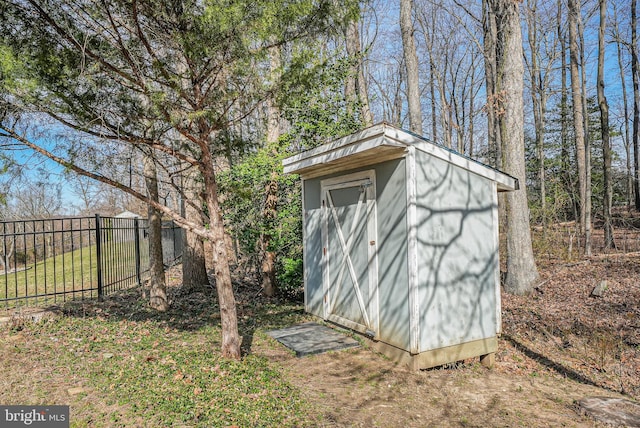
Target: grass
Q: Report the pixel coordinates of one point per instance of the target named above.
(141, 368)
(74, 271)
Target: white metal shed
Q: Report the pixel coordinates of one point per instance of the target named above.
(401, 244)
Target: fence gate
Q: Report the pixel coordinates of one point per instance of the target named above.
(350, 268)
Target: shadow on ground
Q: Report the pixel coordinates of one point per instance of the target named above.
(193, 310)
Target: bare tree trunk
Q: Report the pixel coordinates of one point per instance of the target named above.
(157, 285)
(363, 93)
(604, 125)
(578, 117)
(427, 21)
(397, 100)
(7, 254)
(588, 226)
(472, 112)
(194, 266)
(445, 110)
(538, 96)
(625, 103)
(564, 117)
(521, 268)
(635, 72)
(228, 314)
(350, 81)
(490, 30)
(411, 63)
(432, 92)
(357, 88)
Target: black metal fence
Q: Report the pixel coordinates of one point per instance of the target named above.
(45, 261)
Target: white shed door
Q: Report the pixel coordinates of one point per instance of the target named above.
(350, 269)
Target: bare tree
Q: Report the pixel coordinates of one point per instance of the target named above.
(387, 85)
(540, 60)
(578, 111)
(157, 285)
(604, 128)
(494, 96)
(411, 63)
(625, 103)
(505, 40)
(635, 73)
(194, 268)
(588, 203)
(356, 88)
(564, 105)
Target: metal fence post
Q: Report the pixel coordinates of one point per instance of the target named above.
(175, 241)
(136, 228)
(99, 257)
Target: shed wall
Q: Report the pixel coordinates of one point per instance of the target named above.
(312, 247)
(391, 247)
(457, 254)
(392, 253)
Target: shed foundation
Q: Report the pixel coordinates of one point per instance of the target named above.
(484, 348)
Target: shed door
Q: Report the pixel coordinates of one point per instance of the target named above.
(350, 270)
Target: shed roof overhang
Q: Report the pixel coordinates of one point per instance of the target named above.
(380, 143)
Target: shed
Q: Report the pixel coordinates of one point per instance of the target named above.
(127, 214)
(121, 228)
(401, 244)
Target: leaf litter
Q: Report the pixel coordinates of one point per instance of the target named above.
(559, 345)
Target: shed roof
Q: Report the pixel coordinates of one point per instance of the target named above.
(127, 214)
(379, 143)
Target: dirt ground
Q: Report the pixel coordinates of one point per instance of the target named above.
(357, 388)
(559, 346)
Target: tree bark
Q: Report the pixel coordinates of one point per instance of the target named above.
(194, 267)
(567, 175)
(635, 72)
(588, 205)
(356, 83)
(230, 346)
(490, 30)
(411, 64)
(157, 284)
(432, 92)
(538, 95)
(625, 103)
(269, 213)
(521, 268)
(604, 126)
(6, 256)
(428, 24)
(578, 116)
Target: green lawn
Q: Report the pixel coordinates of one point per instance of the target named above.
(73, 271)
(118, 363)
